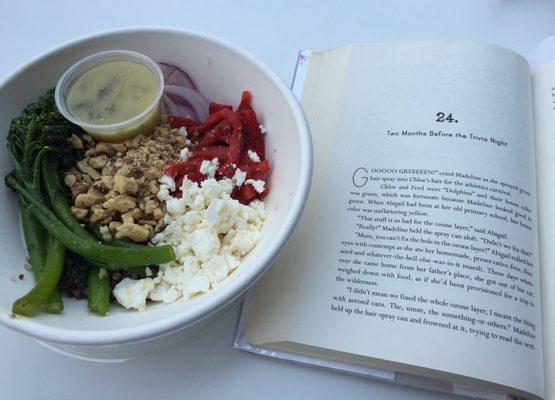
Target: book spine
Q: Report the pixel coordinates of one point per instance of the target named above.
(300, 72)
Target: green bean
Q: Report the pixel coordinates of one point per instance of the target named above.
(98, 291)
(36, 298)
(54, 304)
(115, 257)
(35, 238)
(35, 241)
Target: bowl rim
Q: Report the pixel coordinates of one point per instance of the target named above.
(225, 294)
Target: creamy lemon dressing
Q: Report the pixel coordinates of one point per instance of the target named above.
(112, 92)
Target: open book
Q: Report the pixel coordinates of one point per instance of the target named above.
(430, 226)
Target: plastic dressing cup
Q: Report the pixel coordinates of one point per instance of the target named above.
(145, 121)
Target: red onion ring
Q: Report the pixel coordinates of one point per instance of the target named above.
(168, 106)
(188, 98)
(174, 75)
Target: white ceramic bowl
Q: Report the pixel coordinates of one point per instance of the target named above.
(222, 72)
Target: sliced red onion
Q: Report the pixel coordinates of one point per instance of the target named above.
(174, 75)
(188, 97)
(186, 111)
(168, 106)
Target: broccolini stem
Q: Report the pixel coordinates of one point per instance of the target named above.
(98, 291)
(35, 299)
(35, 241)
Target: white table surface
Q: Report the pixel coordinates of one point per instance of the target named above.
(205, 367)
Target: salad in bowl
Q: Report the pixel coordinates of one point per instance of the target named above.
(154, 174)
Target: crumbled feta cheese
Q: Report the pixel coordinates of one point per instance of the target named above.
(239, 177)
(163, 193)
(216, 269)
(253, 156)
(175, 205)
(222, 214)
(258, 184)
(185, 154)
(132, 293)
(262, 129)
(205, 243)
(244, 241)
(165, 292)
(148, 271)
(183, 131)
(168, 181)
(198, 284)
(209, 168)
(210, 233)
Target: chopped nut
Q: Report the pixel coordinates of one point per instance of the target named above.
(123, 184)
(152, 173)
(159, 226)
(114, 225)
(88, 140)
(119, 147)
(70, 180)
(132, 231)
(87, 169)
(136, 213)
(105, 232)
(117, 183)
(153, 187)
(150, 206)
(108, 181)
(75, 142)
(158, 214)
(79, 188)
(88, 199)
(79, 213)
(134, 143)
(98, 213)
(104, 148)
(98, 162)
(127, 218)
(121, 203)
(124, 171)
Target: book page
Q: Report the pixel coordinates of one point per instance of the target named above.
(543, 82)
(420, 236)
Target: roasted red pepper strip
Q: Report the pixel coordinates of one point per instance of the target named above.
(247, 193)
(227, 136)
(209, 153)
(215, 107)
(181, 122)
(258, 170)
(177, 168)
(212, 121)
(255, 138)
(236, 141)
(220, 133)
(245, 101)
